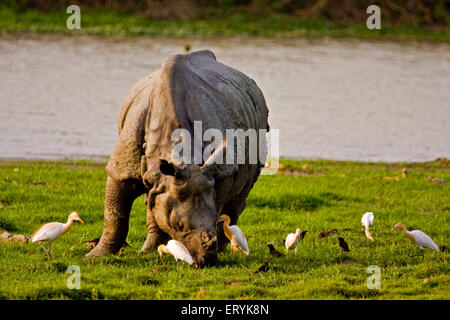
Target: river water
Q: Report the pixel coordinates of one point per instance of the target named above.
(60, 96)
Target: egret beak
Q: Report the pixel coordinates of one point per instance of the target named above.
(393, 229)
(81, 220)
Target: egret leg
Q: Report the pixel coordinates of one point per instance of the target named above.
(422, 254)
(46, 251)
(40, 243)
(50, 244)
(414, 254)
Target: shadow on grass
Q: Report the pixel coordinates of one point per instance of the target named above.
(4, 203)
(148, 281)
(330, 196)
(73, 294)
(7, 226)
(343, 260)
(289, 202)
(59, 267)
(349, 293)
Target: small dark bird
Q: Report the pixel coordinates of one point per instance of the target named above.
(303, 234)
(274, 252)
(264, 268)
(343, 246)
(187, 47)
(92, 243)
(326, 233)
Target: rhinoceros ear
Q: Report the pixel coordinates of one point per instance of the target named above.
(169, 169)
(217, 154)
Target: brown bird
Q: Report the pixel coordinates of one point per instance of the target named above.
(186, 47)
(274, 252)
(326, 233)
(92, 243)
(343, 246)
(264, 268)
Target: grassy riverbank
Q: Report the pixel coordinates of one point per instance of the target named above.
(274, 25)
(315, 195)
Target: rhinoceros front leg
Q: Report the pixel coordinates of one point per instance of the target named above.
(119, 197)
(155, 236)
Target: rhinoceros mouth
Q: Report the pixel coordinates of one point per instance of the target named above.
(209, 260)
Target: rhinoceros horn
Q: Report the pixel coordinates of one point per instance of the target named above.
(218, 152)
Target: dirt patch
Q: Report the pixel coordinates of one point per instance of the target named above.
(9, 180)
(202, 292)
(435, 180)
(305, 170)
(3, 204)
(37, 183)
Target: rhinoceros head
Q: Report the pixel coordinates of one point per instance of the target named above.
(182, 200)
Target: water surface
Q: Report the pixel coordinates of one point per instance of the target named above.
(60, 96)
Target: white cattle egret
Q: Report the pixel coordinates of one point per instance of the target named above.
(292, 240)
(235, 235)
(51, 231)
(177, 250)
(367, 221)
(418, 237)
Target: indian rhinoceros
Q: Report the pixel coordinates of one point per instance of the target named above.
(183, 200)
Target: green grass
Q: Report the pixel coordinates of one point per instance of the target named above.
(323, 195)
(111, 23)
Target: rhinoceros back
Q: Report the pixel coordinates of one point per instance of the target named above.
(187, 88)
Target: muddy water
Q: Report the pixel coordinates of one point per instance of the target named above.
(337, 99)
